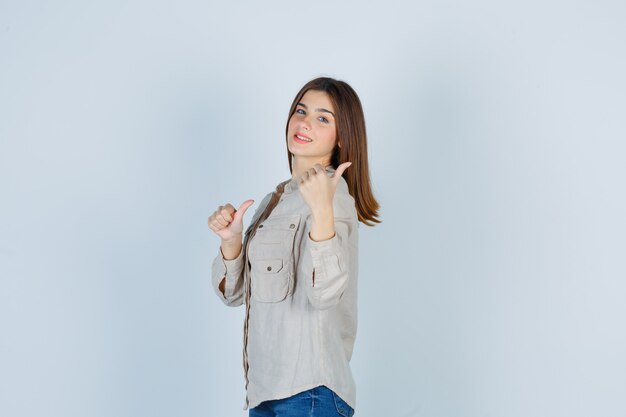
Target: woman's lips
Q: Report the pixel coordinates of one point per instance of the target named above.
(299, 138)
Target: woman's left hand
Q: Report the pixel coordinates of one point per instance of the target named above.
(318, 189)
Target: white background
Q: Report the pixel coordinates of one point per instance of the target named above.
(494, 287)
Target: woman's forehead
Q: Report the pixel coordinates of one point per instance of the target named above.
(318, 99)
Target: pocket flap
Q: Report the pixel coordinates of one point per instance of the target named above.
(287, 223)
(269, 266)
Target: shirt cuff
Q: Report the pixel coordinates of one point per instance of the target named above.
(232, 266)
(324, 247)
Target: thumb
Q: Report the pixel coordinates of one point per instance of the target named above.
(340, 169)
(242, 210)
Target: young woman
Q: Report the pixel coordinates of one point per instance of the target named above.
(296, 267)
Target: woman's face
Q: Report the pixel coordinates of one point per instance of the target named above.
(312, 131)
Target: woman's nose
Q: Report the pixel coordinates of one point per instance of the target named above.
(305, 125)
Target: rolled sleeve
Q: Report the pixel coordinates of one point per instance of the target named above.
(232, 271)
(325, 264)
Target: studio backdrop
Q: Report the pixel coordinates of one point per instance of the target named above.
(494, 286)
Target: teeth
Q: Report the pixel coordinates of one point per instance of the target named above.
(301, 138)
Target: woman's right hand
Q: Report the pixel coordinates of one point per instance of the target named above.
(227, 222)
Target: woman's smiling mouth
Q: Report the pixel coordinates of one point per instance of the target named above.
(301, 138)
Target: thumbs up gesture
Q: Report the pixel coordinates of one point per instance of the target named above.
(318, 189)
(227, 222)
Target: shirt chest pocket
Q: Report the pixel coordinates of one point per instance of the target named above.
(271, 259)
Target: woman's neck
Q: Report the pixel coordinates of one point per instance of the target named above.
(300, 165)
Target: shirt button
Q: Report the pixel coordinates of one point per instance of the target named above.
(269, 268)
(291, 226)
(260, 226)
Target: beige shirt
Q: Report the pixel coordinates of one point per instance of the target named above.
(303, 300)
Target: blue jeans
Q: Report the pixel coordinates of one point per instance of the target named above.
(317, 402)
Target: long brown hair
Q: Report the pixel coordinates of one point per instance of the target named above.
(350, 124)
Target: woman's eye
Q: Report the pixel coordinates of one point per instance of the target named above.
(323, 119)
(300, 111)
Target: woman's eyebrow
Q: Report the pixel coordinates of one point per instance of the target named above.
(320, 110)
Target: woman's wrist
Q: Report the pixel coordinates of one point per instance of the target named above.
(323, 224)
(231, 248)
